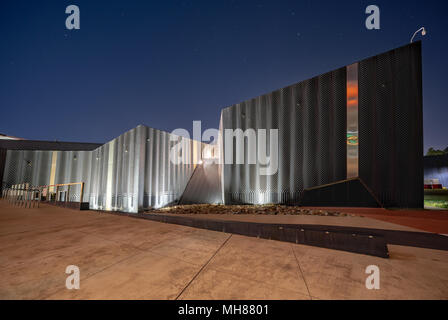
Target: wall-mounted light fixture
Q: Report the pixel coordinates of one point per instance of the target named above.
(422, 29)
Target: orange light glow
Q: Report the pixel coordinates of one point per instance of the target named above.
(352, 93)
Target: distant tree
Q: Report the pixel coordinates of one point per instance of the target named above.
(436, 152)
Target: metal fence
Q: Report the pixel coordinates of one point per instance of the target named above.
(27, 196)
(22, 195)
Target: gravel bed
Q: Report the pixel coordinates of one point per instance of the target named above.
(247, 209)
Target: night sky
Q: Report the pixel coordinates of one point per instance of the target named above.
(167, 63)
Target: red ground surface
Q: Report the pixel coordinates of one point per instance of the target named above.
(435, 221)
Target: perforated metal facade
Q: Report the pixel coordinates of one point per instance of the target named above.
(391, 126)
(311, 120)
(383, 138)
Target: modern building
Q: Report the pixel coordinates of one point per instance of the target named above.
(349, 137)
(436, 168)
(436, 181)
(130, 173)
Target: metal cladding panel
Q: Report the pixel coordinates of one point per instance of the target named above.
(114, 174)
(23, 166)
(204, 186)
(391, 127)
(109, 178)
(311, 120)
(2, 166)
(34, 167)
(130, 173)
(165, 180)
(74, 166)
(345, 193)
(134, 171)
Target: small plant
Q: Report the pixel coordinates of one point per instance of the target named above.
(441, 204)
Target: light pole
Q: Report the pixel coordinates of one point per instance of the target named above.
(422, 29)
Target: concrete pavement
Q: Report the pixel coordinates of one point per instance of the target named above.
(124, 258)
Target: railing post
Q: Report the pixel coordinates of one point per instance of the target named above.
(24, 195)
(81, 194)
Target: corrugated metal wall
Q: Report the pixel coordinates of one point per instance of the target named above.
(130, 173)
(74, 166)
(134, 171)
(164, 181)
(2, 166)
(115, 173)
(311, 120)
(35, 168)
(31, 167)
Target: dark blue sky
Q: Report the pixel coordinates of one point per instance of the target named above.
(167, 63)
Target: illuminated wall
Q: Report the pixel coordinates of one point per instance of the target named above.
(163, 181)
(130, 173)
(134, 171)
(352, 122)
(38, 169)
